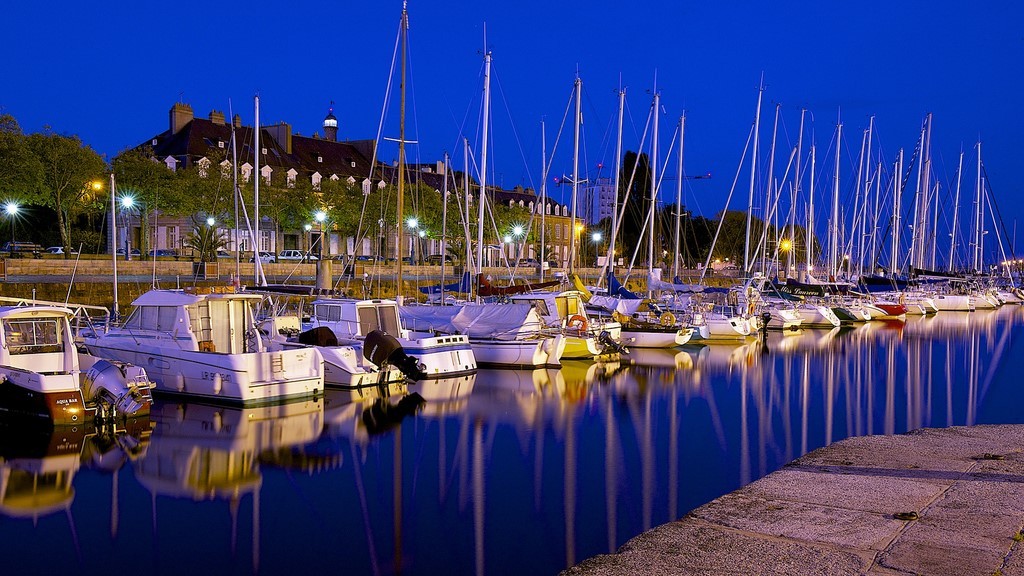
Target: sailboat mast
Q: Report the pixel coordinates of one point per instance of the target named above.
(483, 161)
(753, 178)
(770, 202)
(834, 247)
(977, 216)
(791, 253)
(401, 154)
(575, 175)
(867, 197)
(543, 197)
(444, 224)
(679, 196)
(466, 194)
(654, 192)
(618, 176)
(256, 191)
(896, 230)
(810, 212)
(956, 210)
(113, 242)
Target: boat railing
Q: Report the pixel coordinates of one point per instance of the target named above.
(83, 316)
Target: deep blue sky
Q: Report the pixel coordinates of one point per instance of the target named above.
(110, 71)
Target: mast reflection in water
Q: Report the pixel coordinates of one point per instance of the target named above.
(505, 472)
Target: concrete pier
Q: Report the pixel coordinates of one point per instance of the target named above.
(932, 502)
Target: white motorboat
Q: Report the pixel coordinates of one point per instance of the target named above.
(442, 356)
(344, 365)
(42, 373)
(205, 344)
(501, 335)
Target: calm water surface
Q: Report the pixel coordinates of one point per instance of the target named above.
(502, 473)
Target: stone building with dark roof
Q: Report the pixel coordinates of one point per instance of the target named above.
(285, 157)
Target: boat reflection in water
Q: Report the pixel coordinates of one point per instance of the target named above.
(39, 466)
(520, 472)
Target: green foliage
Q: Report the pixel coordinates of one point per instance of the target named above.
(68, 169)
(206, 240)
(21, 172)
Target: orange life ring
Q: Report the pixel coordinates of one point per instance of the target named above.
(578, 322)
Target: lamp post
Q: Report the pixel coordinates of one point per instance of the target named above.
(413, 223)
(309, 240)
(517, 234)
(320, 217)
(596, 238)
(11, 208)
(127, 202)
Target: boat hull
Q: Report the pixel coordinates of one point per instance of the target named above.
(654, 337)
(519, 354)
(248, 379)
(953, 303)
(60, 408)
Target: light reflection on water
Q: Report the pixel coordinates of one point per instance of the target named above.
(507, 472)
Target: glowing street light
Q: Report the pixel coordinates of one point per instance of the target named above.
(596, 237)
(412, 223)
(11, 208)
(210, 221)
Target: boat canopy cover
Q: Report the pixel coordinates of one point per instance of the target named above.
(464, 286)
(625, 306)
(615, 288)
(499, 321)
(677, 285)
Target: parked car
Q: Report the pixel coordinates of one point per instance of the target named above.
(296, 255)
(265, 257)
(528, 262)
(135, 252)
(162, 252)
(435, 259)
(224, 254)
(59, 250)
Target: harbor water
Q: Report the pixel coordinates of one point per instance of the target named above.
(504, 472)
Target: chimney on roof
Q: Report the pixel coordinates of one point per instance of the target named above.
(282, 134)
(236, 121)
(181, 114)
(217, 117)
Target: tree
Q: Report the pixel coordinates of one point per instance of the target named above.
(21, 172)
(206, 240)
(149, 182)
(68, 168)
(635, 180)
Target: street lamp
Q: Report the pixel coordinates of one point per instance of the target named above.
(320, 217)
(11, 208)
(518, 232)
(127, 202)
(413, 224)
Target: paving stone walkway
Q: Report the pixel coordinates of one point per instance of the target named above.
(932, 502)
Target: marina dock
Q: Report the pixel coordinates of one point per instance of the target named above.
(929, 502)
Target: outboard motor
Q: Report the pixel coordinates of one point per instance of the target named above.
(319, 336)
(119, 389)
(383, 349)
(604, 338)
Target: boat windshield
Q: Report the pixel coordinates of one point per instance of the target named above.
(31, 336)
